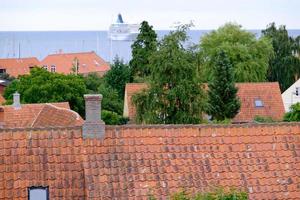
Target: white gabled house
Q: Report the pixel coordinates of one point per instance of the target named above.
(291, 95)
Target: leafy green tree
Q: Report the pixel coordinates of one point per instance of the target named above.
(112, 118)
(41, 86)
(294, 114)
(111, 99)
(223, 102)
(143, 47)
(249, 56)
(284, 66)
(175, 95)
(118, 76)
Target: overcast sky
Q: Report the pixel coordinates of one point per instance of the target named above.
(162, 14)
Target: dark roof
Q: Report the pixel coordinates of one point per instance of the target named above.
(4, 82)
(133, 161)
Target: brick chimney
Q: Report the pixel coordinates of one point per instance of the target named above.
(1, 117)
(16, 103)
(93, 126)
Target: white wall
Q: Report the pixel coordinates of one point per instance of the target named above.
(289, 97)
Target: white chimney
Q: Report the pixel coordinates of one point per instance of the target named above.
(93, 126)
(16, 103)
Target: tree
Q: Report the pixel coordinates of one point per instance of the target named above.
(294, 114)
(223, 102)
(118, 76)
(175, 95)
(284, 66)
(249, 56)
(41, 86)
(111, 100)
(142, 49)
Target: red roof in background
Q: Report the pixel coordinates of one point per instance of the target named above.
(40, 115)
(130, 90)
(134, 161)
(18, 66)
(88, 62)
(267, 92)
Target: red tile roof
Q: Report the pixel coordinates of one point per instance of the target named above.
(16, 67)
(40, 115)
(268, 93)
(133, 161)
(88, 62)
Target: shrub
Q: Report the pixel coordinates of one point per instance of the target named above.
(294, 114)
(112, 118)
(263, 119)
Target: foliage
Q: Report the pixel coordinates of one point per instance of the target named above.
(249, 56)
(112, 103)
(217, 194)
(222, 94)
(294, 114)
(175, 94)
(263, 119)
(144, 46)
(284, 67)
(41, 86)
(93, 81)
(111, 100)
(118, 76)
(112, 118)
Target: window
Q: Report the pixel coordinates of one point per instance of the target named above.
(2, 71)
(38, 193)
(45, 67)
(53, 68)
(258, 103)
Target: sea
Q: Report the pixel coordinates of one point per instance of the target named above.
(15, 44)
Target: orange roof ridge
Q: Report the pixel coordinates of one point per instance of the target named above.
(69, 110)
(36, 117)
(71, 53)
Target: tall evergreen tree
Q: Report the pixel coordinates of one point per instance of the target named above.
(142, 49)
(223, 102)
(175, 95)
(118, 76)
(284, 67)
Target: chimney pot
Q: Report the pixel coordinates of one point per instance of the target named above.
(16, 103)
(93, 126)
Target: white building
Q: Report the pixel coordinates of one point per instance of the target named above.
(291, 95)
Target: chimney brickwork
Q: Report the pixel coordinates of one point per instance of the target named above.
(16, 103)
(93, 126)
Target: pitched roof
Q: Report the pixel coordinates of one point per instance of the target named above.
(88, 62)
(18, 66)
(268, 93)
(133, 161)
(40, 115)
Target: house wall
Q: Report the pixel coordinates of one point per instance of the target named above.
(289, 98)
(132, 162)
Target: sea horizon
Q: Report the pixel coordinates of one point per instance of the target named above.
(15, 44)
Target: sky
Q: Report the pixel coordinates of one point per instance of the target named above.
(162, 14)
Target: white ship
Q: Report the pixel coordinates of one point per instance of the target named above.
(123, 31)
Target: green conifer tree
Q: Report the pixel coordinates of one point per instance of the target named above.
(142, 49)
(223, 102)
